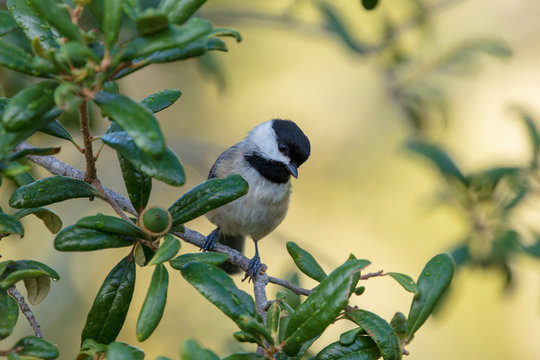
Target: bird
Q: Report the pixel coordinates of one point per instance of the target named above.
(266, 158)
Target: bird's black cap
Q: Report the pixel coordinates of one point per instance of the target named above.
(292, 141)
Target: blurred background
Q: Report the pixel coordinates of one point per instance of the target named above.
(361, 85)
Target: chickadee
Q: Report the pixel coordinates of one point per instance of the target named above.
(266, 159)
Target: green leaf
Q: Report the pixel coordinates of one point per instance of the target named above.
(10, 225)
(119, 351)
(432, 282)
(33, 264)
(322, 306)
(27, 269)
(112, 16)
(305, 262)
(111, 305)
(399, 324)
(370, 4)
(74, 238)
(58, 16)
(32, 151)
(36, 347)
(380, 331)
(10, 312)
(151, 21)
(167, 250)
(191, 350)
(50, 190)
(174, 36)
(31, 23)
(439, 158)
(218, 287)
(364, 348)
(532, 132)
(136, 119)
(17, 59)
(138, 185)
(49, 218)
(167, 169)
(272, 318)
(161, 100)
(37, 288)
(7, 23)
(212, 258)
(207, 196)
(132, 8)
(112, 225)
(179, 11)
(28, 105)
(154, 303)
(406, 281)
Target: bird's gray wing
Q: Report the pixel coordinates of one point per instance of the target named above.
(217, 169)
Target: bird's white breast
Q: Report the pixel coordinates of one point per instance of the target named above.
(258, 212)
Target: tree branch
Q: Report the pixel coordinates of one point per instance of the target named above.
(91, 172)
(25, 310)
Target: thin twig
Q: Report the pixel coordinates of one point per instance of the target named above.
(373, 274)
(104, 195)
(286, 284)
(25, 310)
(91, 172)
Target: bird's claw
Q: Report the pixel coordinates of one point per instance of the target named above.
(255, 268)
(210, 241)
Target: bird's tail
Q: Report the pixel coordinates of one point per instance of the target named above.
(237, 243)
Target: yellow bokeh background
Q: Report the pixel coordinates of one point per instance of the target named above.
(359, 192)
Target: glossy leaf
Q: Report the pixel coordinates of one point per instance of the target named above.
(209, 195)
(180, 11)
(16, 59)
(74, 238)
(154, 303)
(33, 151)
(167, 250)
(108, 313)
(50, 190)
(119, 351)
(151, 21)
(405, 281)
(33, 264)
(20, 274)
(58, 16)
(218, 287)
(364, 348)
(161, 100)
(380, 331)
(36, 347)
(112, 225)
(31, 23)
(439, 158)
(272, 318)
(432, 282)
(167, 168)
(28, 105)
(49, 217)
(37, 288)
(305, 262)
(136, 119)
(10, 225)
(26, 269)
(10, 312)
(138, 185)
(174, 36)
(112, 15)
(191, 350)
(7, 23)
(213, 258)
(322, 306)
(10, 139)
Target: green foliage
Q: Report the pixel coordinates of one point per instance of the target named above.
(80, 66)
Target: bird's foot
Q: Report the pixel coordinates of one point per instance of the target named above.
(255, 268)
(210, 241)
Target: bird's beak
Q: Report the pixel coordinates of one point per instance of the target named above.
(293, 169)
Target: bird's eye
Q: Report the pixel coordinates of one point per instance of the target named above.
(282, 147)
